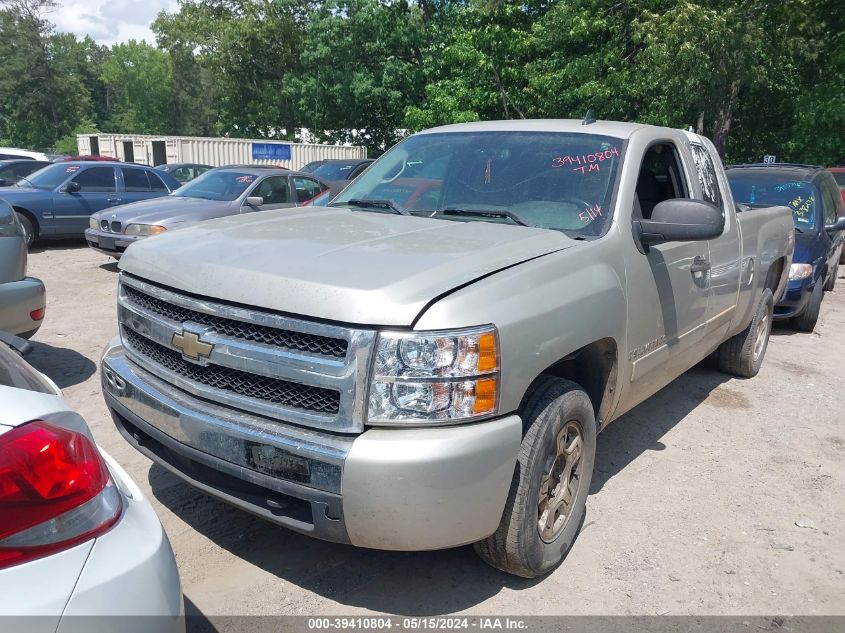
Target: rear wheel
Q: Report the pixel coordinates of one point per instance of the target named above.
(806, 321)
(548, 495)
(743, 353)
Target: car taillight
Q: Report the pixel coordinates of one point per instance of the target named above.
(55, 492)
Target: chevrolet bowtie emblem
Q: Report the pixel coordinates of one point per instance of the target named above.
(191, 346)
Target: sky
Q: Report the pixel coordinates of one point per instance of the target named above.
(109, 21)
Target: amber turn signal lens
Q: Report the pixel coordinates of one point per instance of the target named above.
(485, 396)
(155, 229)
(487, 356)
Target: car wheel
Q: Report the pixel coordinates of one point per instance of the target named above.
(806, 321)
(831, 280)
(743, 353)
(548, 495)
(28, 229)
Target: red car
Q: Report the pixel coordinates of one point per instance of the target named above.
(97, 157)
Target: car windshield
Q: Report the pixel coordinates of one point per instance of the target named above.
(330, 171)
(768, 189)
(50, 177)
(554, 180)
(217, 185)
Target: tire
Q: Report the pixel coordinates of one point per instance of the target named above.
(555, 409)
(806, 321)
(831, 279)
(28, 228)
(742, 354)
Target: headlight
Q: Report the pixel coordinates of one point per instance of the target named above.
(800, 271)
(144, 229)
(93, 223)
(439, 377)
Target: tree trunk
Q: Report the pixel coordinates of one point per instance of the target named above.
(722, 125)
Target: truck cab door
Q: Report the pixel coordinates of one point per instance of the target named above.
(727, 267)
(668, 286)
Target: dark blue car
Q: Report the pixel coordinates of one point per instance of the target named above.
(817, 213)
(57, 201)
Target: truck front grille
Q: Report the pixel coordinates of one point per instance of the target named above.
(298, 341)
(288, 394)
(291, 369)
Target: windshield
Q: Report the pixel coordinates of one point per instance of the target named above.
(767, 189)
(554, 180)
(50, 177)
(217, 185)
(330, 171)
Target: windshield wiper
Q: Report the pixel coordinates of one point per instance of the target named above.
(373, 204)
(486, 213)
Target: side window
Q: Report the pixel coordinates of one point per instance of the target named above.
(8, 174)
(830, 200)
(358, 170)
(273, 189)
(307, 188)
(156, 183)
(135, 180)
(706, 175)
(201, 170)
(182, 174)
(96, 180)
(661, 178)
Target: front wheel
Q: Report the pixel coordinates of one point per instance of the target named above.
(28, 229)
(548, 495)
(806, 321)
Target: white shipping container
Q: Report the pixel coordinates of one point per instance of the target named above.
(157, 150)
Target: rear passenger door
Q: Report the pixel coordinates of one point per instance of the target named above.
(726, 269)
(307, 189)
(97, 191)
(141, 184)
(831, 210)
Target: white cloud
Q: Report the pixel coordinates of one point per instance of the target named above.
(109, 21)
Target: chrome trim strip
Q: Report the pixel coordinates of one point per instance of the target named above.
(347, 375)
(217, 430)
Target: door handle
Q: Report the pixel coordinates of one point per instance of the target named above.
(699, 265)
(114, 200)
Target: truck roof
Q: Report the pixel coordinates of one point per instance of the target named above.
(607, 128)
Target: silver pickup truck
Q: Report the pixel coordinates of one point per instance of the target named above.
(427, 362)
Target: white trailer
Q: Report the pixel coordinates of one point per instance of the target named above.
(158, 150)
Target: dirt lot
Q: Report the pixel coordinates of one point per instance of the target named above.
(693, 508)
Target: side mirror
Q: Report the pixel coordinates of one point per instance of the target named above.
(254, 201)
(839, 225)
(72, 187)
(681, 220)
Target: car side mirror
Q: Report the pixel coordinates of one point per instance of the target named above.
(254, 201)
(839, 225)
(72, 187)
(681, 220)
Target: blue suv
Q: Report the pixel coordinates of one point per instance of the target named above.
(813, 196)
(58, 200)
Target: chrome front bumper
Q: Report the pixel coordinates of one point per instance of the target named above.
(399, 489)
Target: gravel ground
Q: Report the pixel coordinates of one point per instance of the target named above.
(694, 508)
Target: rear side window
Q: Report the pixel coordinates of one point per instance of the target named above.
(706, 174)
(156, 183)
(96, 179)
(831, 200)
(135, 180)
(306, 188)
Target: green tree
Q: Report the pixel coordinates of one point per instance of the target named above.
(139, 89)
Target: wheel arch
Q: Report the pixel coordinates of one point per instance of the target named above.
(31, 217)
(595, 368)
(775, 278)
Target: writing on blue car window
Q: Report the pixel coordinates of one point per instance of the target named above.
(772, 189)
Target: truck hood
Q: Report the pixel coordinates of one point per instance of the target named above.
(353, 267)
(169, 210)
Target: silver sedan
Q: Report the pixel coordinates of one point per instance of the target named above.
(220, 192)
